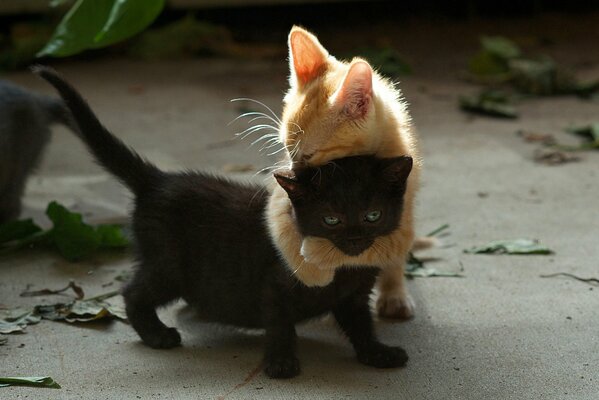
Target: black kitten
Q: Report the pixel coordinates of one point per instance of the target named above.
(25, 120)
(204, 239)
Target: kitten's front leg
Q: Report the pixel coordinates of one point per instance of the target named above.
(394, 300)
(279, 358)
(354, 318)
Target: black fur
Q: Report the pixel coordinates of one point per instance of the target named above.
(25, 120)
(376, 185)
(203, 238)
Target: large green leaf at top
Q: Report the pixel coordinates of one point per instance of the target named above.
(127, 18)
(97, 23)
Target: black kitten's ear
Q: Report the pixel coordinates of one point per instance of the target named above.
(288, 181)
(397, 170)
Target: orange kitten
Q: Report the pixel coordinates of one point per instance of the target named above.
(336, 109)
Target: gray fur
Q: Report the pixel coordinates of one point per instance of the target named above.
(25, 120)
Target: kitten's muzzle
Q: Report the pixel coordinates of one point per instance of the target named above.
(355, 246)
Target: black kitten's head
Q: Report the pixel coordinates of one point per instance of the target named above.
(350, 201)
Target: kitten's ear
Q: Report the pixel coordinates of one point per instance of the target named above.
(354, 97)
(287, 179)
(397, 170)
(307, 57)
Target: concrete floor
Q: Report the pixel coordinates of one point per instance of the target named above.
(501, 332)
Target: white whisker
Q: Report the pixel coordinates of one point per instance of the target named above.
(254, 129)
(258, 102)
(269, 136)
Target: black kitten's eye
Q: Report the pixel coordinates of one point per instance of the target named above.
(373, 216)
(332, 221)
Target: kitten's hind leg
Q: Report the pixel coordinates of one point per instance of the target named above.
(394, 301)
(354, 318)
(142, 297)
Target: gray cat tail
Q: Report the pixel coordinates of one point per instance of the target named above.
(110, 152)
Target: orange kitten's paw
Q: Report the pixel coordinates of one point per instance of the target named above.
(395, 306)
(426, 242)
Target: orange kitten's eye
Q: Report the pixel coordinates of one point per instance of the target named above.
(373, 216)
(332, 221)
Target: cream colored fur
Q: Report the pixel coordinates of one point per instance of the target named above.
(315, 130)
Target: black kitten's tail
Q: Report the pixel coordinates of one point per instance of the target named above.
(110, 152)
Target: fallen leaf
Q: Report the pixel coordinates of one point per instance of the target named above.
(537, 137)
(500, 46)
(492, 59)
(589, 132)
(94, 308)
(16, 320)
(17, 230)
(387, 61)
(36, 381)
(415, 268)
(45, 292)
(489, 102)
(551, 156)
(514, 246)
(438, 231)
(70, 235)
(500, 61)
(578, 278)
(184, 37)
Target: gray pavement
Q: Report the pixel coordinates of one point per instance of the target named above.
(501, 332)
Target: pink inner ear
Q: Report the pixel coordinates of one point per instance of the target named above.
(355, 94)
(308, 55)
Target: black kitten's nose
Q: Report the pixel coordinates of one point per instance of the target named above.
(356, 246)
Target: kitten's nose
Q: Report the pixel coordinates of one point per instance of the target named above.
(356, 246)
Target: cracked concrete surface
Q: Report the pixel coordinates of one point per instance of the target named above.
(501, 332)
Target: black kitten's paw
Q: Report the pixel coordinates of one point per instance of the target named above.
(166, 338)
(381, 356)
(282, 367)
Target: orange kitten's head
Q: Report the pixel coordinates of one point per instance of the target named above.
(336, 109)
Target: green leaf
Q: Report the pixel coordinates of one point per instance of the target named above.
(438, 231)
(487, 64)
(589, 132)
(91, 24)
(78, 29)
(415, 268)
(182, 37)
(74, 239)
(514, 246)
(489, 102)
(500, 46)
(127, 18)
(16, 320)
(112, 236)
(17, 230)
(586, 89)
(58, 3)
(387, 61)
(36, 381)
